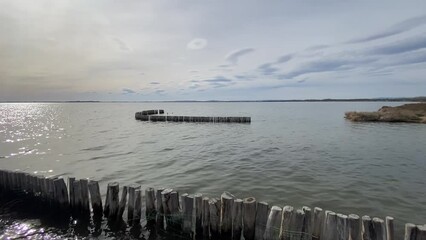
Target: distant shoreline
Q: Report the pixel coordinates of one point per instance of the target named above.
(413, 99)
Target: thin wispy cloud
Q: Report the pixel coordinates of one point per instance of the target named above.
(234, 56)
(197, 44)
(398, 28)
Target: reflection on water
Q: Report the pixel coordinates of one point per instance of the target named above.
(291, 154)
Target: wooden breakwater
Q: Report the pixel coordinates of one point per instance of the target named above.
(156, 116)
(195, 216)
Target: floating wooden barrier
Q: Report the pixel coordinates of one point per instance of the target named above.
(152, 115)
(206, 218)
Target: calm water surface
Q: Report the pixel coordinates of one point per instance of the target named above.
(291, 154)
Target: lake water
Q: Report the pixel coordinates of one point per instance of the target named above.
(291, 154)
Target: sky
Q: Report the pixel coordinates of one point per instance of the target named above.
(135, 50)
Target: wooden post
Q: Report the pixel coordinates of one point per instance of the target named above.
(122, 204)
(390, 232)
(379, 229)
(272, 231)
(131, 202)
(112, 200)
(214, 205)
(354, 225)
(318, 220)
(176, 217)
(95, 197)
(342, 227)
(71, 181)
(150, 212)
(330, 226)
(226, 215)
(187, 209)
(205, 217)
(249, 217)
(297, 224)
(421, 232)
(367, 228)
(160, 209)
(62, 195)
(307, 224)
(198, 199)
(410, 232)
(138, 207)
(237, 223)
(165, 198)
(76, 186)
(85, 196)
(261, 219)
(286, 221)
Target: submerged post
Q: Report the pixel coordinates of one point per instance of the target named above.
(95, 198)
(261, 219)
(226, 215)
(237, 223)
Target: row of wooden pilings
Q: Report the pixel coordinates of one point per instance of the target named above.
(195, 216)
(151, 115)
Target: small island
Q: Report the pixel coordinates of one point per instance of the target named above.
(410, 113)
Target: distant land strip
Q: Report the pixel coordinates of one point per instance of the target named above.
(401, 99)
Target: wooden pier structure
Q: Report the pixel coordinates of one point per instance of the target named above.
(158, 116)
(195, 216)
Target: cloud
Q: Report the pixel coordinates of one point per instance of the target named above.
(127, 91)
(160, 91)
(317, 47)
(234, 56)
(197, 44)
(154, 83)
(398, 28)
(267, 69)
(218, 79)
(284, 58)
(326, 65)
(122, 45)
(406, 45)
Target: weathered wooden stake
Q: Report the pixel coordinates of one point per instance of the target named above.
(137, 214)
(71, 181)
(286, 221)
(379, 229)
(249, 217)
(421, 232)
(367, 228)
(205, 217)
(150, 211)
(62, 194)
(226, 215)
(342, 227)
(175, 216)
(330, 226)
(95, 198)
(262, 213)
(410, 231)
(165, 199)
(198, 199)
(297, 224)
(160, 209)
(272, 231)
(131, 202)
(307, 223)
(214, 206)
(354, 225)
(122, 204)
(390, 232)
(187, 210)
(112, 200)
(237, 221)
(85, 196)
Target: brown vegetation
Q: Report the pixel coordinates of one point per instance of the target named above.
(412, 113)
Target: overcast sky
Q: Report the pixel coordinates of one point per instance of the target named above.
(204, 50)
